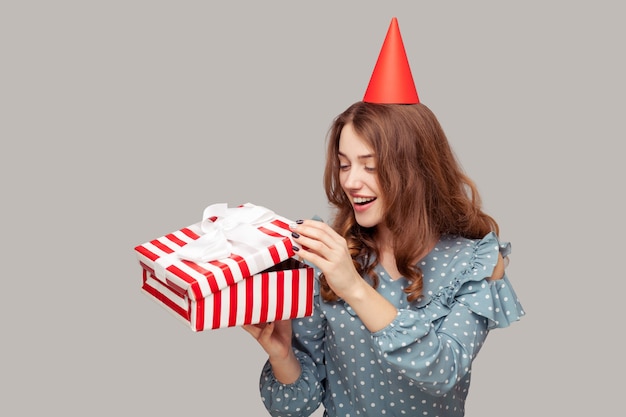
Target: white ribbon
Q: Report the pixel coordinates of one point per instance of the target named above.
(234, 227)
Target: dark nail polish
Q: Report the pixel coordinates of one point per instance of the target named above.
(295, 235)
(295, 248)
(299, 221)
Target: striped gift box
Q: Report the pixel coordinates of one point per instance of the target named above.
(252, 285)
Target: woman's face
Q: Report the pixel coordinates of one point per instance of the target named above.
(359, 179)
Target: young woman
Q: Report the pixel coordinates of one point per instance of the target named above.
(411, 277)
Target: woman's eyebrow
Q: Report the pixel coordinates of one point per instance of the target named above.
(369, 155)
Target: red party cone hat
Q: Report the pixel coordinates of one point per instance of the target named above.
(391, 81)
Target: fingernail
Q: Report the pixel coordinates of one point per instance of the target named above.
(295, 248)
(295, 235)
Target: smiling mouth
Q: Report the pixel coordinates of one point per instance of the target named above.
(361, 201)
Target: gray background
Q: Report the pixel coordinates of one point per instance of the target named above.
(122, 120)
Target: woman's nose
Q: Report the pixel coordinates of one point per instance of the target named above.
(352, 180)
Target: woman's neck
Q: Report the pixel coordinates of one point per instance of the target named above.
(384, 239)
(385, 242)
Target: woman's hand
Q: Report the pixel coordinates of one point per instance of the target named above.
(275, 339)
(325, 248)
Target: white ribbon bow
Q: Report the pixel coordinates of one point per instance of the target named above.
(234, 227)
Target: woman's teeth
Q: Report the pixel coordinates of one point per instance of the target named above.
(363, 200)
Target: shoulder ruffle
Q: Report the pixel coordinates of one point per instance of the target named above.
(493, 299)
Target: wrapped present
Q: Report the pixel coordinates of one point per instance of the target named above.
(235, 267)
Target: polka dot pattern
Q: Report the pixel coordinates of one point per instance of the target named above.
(420, 364)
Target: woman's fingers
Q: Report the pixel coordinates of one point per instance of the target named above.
(274, 337)
(316, 236)
(316, 230)
(324, 248)
(311, 244)
(258, 331)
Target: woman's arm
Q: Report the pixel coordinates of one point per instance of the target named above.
(291, 381)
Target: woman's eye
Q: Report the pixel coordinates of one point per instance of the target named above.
(370, 169)
(343, 167)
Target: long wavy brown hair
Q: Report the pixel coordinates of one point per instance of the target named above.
(426, 192)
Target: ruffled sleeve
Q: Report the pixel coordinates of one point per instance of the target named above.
(435, 340)
(495, 300)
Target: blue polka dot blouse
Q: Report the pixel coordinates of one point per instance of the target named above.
(420, 364)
